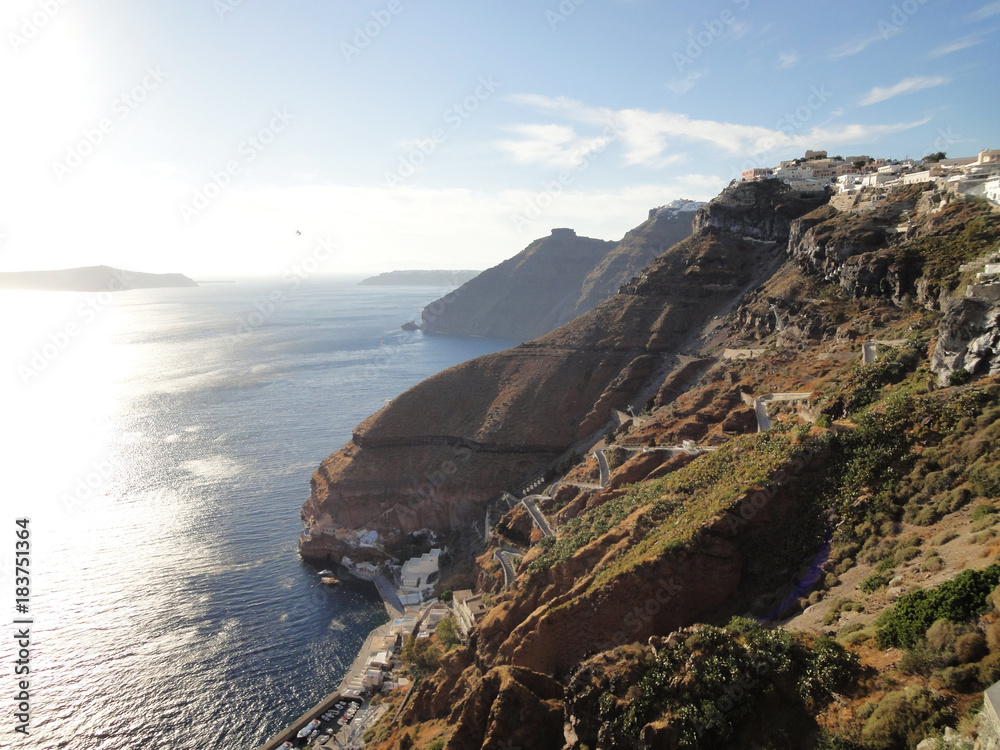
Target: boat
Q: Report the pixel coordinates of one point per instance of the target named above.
(329, 580)
(326, 572)
(311, 726)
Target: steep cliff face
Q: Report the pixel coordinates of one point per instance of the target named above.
(524, 297)
(666, 226)
(757, 524)
(555, 279)
(436, 454)
(969, 339)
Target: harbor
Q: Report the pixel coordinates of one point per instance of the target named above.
(340, 719)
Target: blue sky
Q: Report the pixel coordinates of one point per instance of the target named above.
(201, 135)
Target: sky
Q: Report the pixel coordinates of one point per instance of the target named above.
(225, 138)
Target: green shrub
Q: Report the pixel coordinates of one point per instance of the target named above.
(851, 627)
(984, 523)
(970, 647)
(989, 669)
(873, 583)
(961, 679)
(959, 377)
(447, 632)
(436, 745)
(943, 538)
(957, 600)
(932, 564)
(829, 669)
(983, 510)
(904, 718)
(986, 480)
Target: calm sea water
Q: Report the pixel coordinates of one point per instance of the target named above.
(162, 446)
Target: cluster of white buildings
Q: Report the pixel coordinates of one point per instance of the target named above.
(816, 172)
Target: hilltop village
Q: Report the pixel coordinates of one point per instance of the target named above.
(856, 176)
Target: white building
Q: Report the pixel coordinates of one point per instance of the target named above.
(418, 576)
(992, 190)
(468, 609)
(795, 172)
(877, 179)
(404, 626)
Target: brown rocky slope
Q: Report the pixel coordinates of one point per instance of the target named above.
(439, 452)
(555, 279)
(767, 524)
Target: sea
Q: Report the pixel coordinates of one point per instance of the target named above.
(157, 447)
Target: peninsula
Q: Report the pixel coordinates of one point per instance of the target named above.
(90, 279)
(419, 278)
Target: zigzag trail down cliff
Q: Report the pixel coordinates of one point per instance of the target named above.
(762, 526)
(522, 408)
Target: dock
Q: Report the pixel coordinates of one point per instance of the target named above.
(350, 685)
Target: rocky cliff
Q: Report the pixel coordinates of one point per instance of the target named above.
(523, 297)
(666, 226)
(871, 479)
(435, 455)
(555, 279)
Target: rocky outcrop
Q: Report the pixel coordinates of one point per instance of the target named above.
(969, 339)
(555, 279)
(665, 227)
(729, 212)
(524, 297)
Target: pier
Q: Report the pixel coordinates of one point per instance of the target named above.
(351, 686)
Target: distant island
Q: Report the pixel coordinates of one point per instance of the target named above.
(90, 279)
(420, 278)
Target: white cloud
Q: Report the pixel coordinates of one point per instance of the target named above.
(906, 86)
(683, 85)
(658, 139)
(859, 45)
(990, 9)
(739, 29)
(556, 146)
(788, 59)
(959, 44)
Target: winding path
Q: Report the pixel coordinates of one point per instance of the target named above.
(536, 515)
(602, 462)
